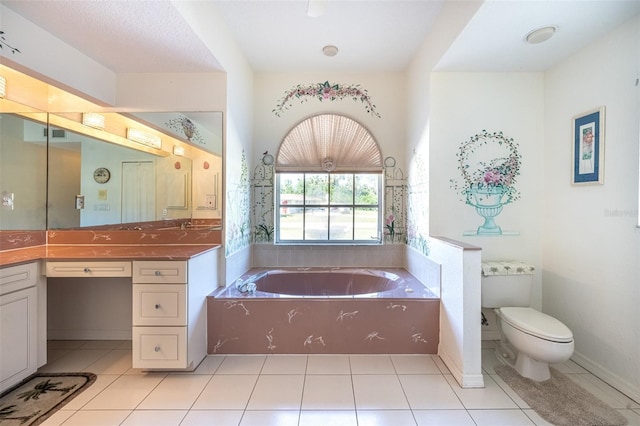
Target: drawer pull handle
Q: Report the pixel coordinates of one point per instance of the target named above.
(157, 348)
(158, 273)
(87, 270)
(157, 306)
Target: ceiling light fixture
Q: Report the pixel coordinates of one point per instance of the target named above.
(330, 50)
(93, 119)
(144, 138)
(316, 8)
(540, 35)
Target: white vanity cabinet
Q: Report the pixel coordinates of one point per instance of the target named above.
(169, 312)
(19, 333)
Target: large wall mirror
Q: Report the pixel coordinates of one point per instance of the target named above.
(97, 182)
(96, 168)
(23, 171)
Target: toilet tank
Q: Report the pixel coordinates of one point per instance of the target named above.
(506, 283)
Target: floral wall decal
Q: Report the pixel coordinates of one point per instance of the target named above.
(3, 44)
(489, 164)
(186, 127)
(326, 92)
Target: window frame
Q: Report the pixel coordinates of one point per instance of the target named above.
(378, 240)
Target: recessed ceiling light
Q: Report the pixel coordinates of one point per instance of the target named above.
(330, 50)
(540, 35)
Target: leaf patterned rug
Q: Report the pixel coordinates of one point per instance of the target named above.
(32, 401)
(560, 400)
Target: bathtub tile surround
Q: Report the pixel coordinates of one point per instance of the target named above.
(283, 256)
(403, 320)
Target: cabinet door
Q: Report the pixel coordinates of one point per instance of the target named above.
(160, 304)
(88, 269)
(18, 340)
(159, 347)
(159, 272)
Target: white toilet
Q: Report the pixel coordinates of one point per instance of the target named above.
(529, 339)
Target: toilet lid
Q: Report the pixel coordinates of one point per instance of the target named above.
(537, 324)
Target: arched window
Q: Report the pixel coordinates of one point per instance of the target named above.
(328, 183)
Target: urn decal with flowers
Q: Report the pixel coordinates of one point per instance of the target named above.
(489, 164)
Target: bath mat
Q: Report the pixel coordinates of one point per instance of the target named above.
(32, 401)
(560, 400)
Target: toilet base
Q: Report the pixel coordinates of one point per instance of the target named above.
(530, 368)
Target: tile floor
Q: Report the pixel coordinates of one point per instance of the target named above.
(284, 390)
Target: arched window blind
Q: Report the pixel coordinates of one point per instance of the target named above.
(328, 143)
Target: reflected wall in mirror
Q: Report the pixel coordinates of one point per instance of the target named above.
(93, 182)
(23, 171)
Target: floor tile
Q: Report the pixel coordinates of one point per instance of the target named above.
(212, 417)
(385, 417)
(126, 392)
(76, 360)
(535, 418)
(371, 364)
(226, 392)
(378, 392)
(155, 418)
(443, 417)
(58, 418)
(234, 364)
(277, 392)
(97, 418)
(117, 361)
(414, 364)
(500, 418)
(328, 418)
(328, 392)
(285, 364)
(101, 344)
(101, 383)
(429, 392)
(328, 364)
(210, 364)
(165, 397)
(489, 397)
(270, 418)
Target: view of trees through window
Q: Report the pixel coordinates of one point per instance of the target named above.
(328, 207)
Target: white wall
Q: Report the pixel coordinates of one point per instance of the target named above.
(591, 248)
(462, 105)
(385, 89)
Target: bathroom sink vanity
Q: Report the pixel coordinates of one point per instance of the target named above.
(168, 286)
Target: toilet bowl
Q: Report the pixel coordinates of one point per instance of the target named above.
(529, 339)
(538, 339)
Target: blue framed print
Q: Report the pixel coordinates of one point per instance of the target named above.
(588, 147)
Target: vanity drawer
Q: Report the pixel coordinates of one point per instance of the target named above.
(159, 272)
(159, 347)
(159, 304)
(19, 277)
(88, 269)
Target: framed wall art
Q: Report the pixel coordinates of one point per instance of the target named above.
(588, 148)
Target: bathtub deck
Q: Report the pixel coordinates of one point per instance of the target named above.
(395, 323)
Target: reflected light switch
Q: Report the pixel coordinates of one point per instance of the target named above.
(102, 194)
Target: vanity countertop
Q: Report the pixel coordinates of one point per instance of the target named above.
(102, 253)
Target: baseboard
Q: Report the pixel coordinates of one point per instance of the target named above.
(464, 380)
(89, 334)
(607, 376)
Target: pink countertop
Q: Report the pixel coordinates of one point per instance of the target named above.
(102, 253)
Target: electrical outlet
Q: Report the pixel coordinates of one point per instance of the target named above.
(8, 200)
(79, 202)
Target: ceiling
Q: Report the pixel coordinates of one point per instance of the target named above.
(146, 36)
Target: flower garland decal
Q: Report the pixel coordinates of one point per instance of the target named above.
(326, 91)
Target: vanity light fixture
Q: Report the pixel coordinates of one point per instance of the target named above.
(93, 119)
(330, 50)
(540, 35)
(3, 86)
(178, 150)
(144, 138)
